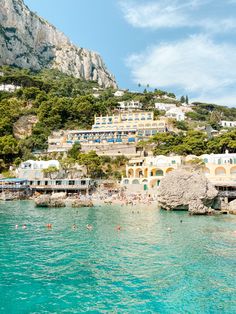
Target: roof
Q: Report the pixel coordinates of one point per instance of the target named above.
(12, 180)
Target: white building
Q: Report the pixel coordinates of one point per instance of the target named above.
(33, 169)
(130, 105)
(219, 159)
(175, 113)
(163, 106)
(9, 88)
(119, 93)
(228, 124)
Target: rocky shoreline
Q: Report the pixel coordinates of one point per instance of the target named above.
(197, 204)
(57, 200)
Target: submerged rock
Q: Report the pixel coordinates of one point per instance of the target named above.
(183, 189)
(74, 202)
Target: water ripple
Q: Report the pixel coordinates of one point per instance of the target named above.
(145, 268)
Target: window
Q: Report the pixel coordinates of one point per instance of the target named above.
(58, 182)
(83, 182)
(71, 182)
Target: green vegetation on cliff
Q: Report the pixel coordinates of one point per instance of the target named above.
(59, 101)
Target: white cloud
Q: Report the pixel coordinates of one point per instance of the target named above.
(196, 65)
(174, 14)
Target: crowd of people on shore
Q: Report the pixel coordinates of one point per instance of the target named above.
(123, 198)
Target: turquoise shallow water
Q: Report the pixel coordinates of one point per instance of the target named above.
(144, 268)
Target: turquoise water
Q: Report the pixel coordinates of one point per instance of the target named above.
(144, 268)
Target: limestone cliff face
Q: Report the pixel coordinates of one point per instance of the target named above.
(28, 41)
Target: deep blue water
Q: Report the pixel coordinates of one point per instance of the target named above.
(144, 268)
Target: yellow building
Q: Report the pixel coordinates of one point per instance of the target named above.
(150, 170)
(142, 121)
(220, 169)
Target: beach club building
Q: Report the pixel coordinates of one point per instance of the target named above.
(34, 178)
(125, 128)
(147, 172)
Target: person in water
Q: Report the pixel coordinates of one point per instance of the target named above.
(89, 227)
(118, 228)
(49, 226)
(74, 227)
(24, 226)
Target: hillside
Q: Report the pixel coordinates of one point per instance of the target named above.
(47, 100)
(28, 41)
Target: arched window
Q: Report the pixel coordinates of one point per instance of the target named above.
(220, 171)
(206, 170)
(233, 171)
(159, 173)
(135, 182)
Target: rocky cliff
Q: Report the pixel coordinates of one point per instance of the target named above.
(28, 41)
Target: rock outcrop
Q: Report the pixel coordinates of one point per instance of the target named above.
(183, 189)
(23, 126)
(28, 41)
(232, 207)
(54, 200)
(60, 200)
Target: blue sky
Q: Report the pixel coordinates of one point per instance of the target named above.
(183, 46)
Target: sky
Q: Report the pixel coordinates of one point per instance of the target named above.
(183, 46)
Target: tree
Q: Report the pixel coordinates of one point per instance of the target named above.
(70, 167)
(182, 100)
(74, 151)
(51, 172)
(93, 164)
(9, 148)
(215, 118)
(186, 99)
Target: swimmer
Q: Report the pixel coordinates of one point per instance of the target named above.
(74, 227)
(49, 226)
(89, 227)
(169, 229)
(24, 226)
(118, 228)
(16, 226)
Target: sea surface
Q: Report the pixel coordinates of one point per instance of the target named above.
(154, 264)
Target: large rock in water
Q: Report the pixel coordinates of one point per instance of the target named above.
(54, 200)
(28, 41)
(183, 189)
(232, 207)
